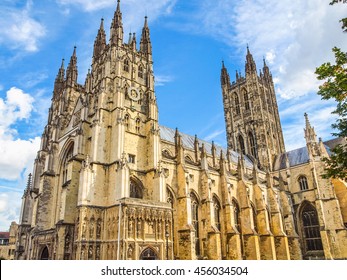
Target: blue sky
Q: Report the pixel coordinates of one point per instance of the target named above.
(190, 39)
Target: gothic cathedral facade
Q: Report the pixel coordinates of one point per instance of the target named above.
(109, 182)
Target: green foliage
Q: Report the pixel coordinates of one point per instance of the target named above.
(335, 87)
(344, 20)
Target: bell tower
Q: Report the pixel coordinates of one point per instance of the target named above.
(251, 114)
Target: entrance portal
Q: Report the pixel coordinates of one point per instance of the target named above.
(148, 254)
(44, 254)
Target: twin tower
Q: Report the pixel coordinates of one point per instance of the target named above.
(110, 183)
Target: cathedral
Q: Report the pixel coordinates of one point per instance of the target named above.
(110, 183)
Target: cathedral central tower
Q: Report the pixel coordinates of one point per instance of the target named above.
(251, 114)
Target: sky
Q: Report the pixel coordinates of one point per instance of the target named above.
(190, 40)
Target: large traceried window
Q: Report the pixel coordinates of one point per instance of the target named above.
(310, 228)
(195, 221)
(303, 183)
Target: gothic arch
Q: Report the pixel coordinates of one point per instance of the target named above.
(69, 144)
(309, 228)
(149, 253)
(44, 255)
(171, 198)
(241, 144)
(135, 188)
(167, 154)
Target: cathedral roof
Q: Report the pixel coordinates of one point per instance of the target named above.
(168, 134)
(300, 155)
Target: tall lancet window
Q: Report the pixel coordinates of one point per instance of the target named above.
(245, 96)
(195, 221)
(237, 220)
(216, 212)
(252, 145)
(140, 72)
(237, 104)
(242, 149)
(126, 65)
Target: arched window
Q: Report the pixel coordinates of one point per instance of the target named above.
(138, 125)
(252, 145)
(195, 221)
(310, 229)
(65, 166)
(140, 72)
(303, 183)
(245, 96)
(237, 219)
(237, 104)
(216, 212)
(135, 190)
(241, 145)
(126, 65)
(126, 121)
(169, 197)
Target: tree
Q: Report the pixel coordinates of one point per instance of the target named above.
(335, 87)
(344, 20)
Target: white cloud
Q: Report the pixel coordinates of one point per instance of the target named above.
(10, 204)
(16, 154)
(133, 10)
(295, 36)
(161, 80)
(214, 134)
(18, 29)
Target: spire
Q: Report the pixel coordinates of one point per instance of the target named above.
(133, 42)
(71, 72)
(145, 43)
(250, 64)
(310, 133)
(266, 70)
(213, 152)
(224, 77)
(116, 34)
(196, 148)
(59, 80)
(100, 41)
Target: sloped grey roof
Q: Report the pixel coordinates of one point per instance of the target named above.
(168, 134)
(300, 156)
(334, 142)
(295, 157)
